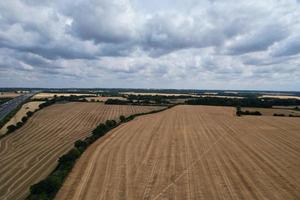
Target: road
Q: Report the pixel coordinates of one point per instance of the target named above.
(9, 106)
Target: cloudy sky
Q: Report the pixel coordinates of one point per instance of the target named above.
(201, 44)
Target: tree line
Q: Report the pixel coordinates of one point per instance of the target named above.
(244, 102)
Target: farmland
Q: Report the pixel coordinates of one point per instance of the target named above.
(30, 153)
(281, 96)
(9, 94)
(44, 95)
(191, 152)
(30, 106)
(102, 99)
(272, 111)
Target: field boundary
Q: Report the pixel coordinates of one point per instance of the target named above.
(48, 187)
(29, 114)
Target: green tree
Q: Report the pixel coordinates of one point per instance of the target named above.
(122, 118)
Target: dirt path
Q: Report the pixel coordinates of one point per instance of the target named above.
(191, 152)
(31, 153)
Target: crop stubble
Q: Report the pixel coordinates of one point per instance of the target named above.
(191, 152)
(30, 154)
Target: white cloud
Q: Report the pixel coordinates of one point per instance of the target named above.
(113, 43)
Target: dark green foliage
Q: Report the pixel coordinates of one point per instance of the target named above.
(47, 186)
(3, 100)
(245, 102)
(81, 145)
(117, 102)
(9, 116)
(122, 118)
(24, 119)
(278, 115)
(290, 115)
(131, 117)
(11, 128)
(238, 111)
(29, 114)
(110, 123)
(19, 125)
(250, 112)
(100, 130)
(71, 156)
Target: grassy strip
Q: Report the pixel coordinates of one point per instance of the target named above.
(47, 188)
(10, 115)
(5, 99)
(12, 128)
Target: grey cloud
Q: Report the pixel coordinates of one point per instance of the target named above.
(289, 47)
(179, 44)
(258, 40)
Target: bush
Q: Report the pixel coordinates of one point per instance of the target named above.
(81, 145)
(11, 128)
(49, 186)
(29, 114)
(247, 112)
(24, 119)
(122, 118)
(19, 125)
(110, 123)
(280, 115)
(71, 156)
(100, 129)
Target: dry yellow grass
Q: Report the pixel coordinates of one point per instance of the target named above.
(103, 99)
(231, 97)
(31, 152)
(51, 95)
(9, 94)
(30, 106)
(159, 94)
(191, 152)
(280, 97)
(207, 94)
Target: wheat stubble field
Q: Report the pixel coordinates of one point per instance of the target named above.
(30, 154)
(191, 152)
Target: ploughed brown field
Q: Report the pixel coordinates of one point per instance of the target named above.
(191, 152)
(31, 153)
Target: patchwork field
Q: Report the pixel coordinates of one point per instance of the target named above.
(51, 95)
(280, 97)
(271, 111)
(102, 99)
(30, 154)
(9, 94)
(191, 152)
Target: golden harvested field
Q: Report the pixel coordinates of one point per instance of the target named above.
(280, 97)
(159, 94)
(51, 95)
(9, 94)
(271, 111)
(30, 106)
(191, 152)
(102, 99)
(218, 96)
(30, 154)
